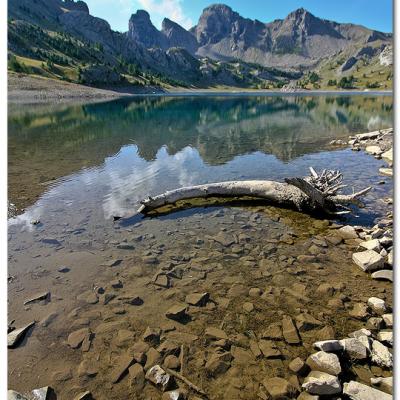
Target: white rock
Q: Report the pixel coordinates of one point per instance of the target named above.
(359, 391)
(383, 253)
(354, 348)
(13, 395)
(390, 258)
(321, 383)
(388, 318)
(377, 305)
(347, 232)
(374, 150)
(386, 171)
(386, 336)
(381, 355)
(360, 332)
(328, 345)
(384, 384)
(383, 274)
(324, 362)
(388, 155)
(372, 245)
(368, 260)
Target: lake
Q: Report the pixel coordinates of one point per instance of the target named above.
(73, 168)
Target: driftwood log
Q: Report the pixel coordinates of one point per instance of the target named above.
(315, 193)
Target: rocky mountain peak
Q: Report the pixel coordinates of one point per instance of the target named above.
(141, 30)
(178, 37)
(77, 6)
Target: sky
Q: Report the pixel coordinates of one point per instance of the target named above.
(375, 14)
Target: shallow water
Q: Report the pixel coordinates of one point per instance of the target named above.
(76, 167)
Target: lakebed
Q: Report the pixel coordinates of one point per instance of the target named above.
(78, 174)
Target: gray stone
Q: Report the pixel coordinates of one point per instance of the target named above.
(383, 274)
(377, 305)
(386, 337)
(358, 391)
(354, 348)
(321, 383)
(388, 318)
(15, 336)
(347, 232)
(324, 362)
(381, 355)
(384, 384)
(44, 393)
(158, 377)
(372, 244)
(329, 345)
(368, 260)
(13, 395)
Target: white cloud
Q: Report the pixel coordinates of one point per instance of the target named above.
(172, 9)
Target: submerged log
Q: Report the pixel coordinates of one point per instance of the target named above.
(310, 194)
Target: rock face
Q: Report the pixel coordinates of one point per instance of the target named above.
(177, 36)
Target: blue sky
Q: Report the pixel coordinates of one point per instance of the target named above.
(376, 14)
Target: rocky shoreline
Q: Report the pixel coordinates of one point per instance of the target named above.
(204, 333)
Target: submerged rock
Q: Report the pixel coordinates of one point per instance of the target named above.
(38, 297)
(358, 391)
(197, 299)
(121, 366)
(289, 331)
(176, 312)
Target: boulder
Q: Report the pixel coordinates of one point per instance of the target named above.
(384, 384)
(372, 244)
(368, 260)
(13, 395)
(359, 311)
(388, 155)
(354, 348)
(388, 318)
(377, 305)
(386, 337)
(383, 274)
(279, 388)
(358, 391)
(48, 393)
(347, 232)
(324, 362)
(374, 150)
(158, 377)
(321, 383)
(381, 355)
(328, 345)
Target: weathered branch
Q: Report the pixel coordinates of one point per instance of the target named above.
(313, 193)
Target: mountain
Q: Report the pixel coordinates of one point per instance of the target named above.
(60, 38)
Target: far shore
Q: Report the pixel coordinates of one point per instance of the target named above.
(28, 89)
